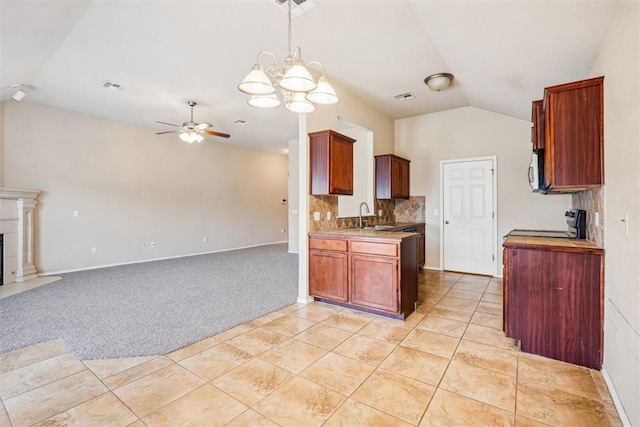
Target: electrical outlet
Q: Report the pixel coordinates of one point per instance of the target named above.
(205, 240)
(328, 216)
(145, 195)
(94, 250)
(379, 212)
(144, 244)
(76, 214)
(436, 212)
(152, 244)
(596, 219)
(316, 216)
(625, 221)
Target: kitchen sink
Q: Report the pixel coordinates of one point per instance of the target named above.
(379, 227)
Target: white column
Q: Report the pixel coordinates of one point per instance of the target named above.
(303, 211)
(26, 270)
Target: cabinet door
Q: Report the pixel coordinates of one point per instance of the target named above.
(392, 177)
(537, 125)
(404, 180)
(331, 163)
(578, 303)
(328, 275)
(341, 166)
(396, 178)
(573, 129)
(374, 282)
(530, 311)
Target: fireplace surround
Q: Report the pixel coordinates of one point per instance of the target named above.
(17, 227)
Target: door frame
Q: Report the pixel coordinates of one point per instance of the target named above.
(494, 189)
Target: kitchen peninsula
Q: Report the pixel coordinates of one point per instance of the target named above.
(365, 269)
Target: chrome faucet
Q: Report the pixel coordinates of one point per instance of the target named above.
(360, 217)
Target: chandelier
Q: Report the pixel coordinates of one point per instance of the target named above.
(299, 91)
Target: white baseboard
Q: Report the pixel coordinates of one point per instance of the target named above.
(305, 300)
(616, 399)
(428, 267)
(94, 267)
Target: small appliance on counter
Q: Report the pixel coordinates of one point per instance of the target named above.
(576, 222)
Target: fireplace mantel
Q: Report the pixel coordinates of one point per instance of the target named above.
(18, 193)
(16, 223)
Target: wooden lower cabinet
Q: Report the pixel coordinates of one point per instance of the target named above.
(375, 274)
(374, 282)
(331, 272)
(553, 303)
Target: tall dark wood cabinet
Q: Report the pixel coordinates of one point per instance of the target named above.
(392, 177)
(573, 136)
(331, 163)
(553, 301)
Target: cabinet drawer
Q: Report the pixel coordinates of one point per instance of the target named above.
(375, 248)
(328, 244)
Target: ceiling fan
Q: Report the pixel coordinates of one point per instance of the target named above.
(191, 131)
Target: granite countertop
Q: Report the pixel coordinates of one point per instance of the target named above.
(551, 243)
(369, 232)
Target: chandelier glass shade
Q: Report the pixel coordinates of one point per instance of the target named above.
(298, 88)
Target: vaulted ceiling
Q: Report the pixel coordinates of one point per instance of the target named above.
(502, 53)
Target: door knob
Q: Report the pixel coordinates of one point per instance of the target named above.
(446, 222)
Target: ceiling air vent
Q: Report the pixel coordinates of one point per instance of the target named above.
(113, 86)
(404, 97)
(298, 7)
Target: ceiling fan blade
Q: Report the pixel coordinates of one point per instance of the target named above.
(203, 126)
(223, 135)
(168, 131)
(165, 123)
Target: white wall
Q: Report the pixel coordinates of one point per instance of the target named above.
(618, 61)
(294, 197)
(363, 174)
(102, 168)
(472, 132)
(1, 144)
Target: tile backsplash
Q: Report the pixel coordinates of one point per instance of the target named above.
(324, 204)
(411, 210)
(592, 201)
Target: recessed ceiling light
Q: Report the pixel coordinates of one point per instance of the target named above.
(113, 86)
(240, 122)
(404, 97)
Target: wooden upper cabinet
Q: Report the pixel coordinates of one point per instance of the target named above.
(331, 163)
(573, 135)
(537, 125)
(392, 177)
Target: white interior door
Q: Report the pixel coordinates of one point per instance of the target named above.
(468, 225)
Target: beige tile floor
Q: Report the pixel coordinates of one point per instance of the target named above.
(448, 364)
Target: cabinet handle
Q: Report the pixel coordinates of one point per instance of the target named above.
(446, 222)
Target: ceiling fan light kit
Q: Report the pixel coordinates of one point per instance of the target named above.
(439, 81)
(299, 90)
(191, 131)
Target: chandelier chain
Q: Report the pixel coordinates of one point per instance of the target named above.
(289, 27)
